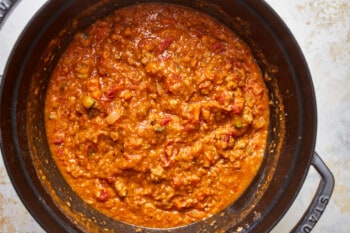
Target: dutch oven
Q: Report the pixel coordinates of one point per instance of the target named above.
(292, 136)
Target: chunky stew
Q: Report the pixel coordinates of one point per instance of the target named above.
(157, 115)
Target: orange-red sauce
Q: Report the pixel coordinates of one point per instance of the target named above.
(157, 115)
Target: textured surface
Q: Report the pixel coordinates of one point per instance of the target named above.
(322, 29)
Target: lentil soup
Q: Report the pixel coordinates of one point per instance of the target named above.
(157, 115)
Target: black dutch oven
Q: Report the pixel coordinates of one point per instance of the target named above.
(292, 135)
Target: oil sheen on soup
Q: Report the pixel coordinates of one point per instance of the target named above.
(157, 115)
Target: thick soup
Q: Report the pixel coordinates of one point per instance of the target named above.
(157, 115)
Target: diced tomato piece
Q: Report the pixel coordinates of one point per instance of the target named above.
(111, 93)
(165, 120)
(165, 44)
(58, 141)
(219, 47)
(235, 109)
(102, 196)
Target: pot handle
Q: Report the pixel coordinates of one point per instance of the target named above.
(320, 200)
(5, 6)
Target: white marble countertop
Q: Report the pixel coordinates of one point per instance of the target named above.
(322, 29)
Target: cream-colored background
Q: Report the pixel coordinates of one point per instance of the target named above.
(322, 29)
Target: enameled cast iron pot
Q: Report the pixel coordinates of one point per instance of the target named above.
(292, 134)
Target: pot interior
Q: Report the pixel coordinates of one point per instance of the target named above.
(47, 195)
